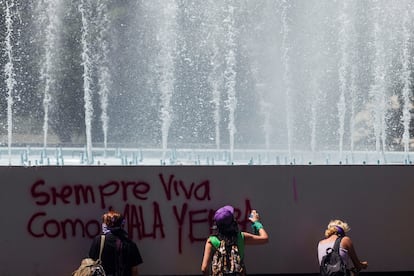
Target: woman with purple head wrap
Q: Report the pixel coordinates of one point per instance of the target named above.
(338, 229)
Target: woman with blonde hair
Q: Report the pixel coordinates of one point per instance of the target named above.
(338, 229)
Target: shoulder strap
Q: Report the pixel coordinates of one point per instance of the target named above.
(337, 244)
(102, 246)
(215, 241)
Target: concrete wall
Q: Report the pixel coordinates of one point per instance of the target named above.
(169, 210)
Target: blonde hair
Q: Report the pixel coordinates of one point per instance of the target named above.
(333, 225)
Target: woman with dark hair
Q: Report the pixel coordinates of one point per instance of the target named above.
(120, 255)
(229, 235)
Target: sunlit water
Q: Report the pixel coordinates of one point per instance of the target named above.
(32, 156)
(206, 83)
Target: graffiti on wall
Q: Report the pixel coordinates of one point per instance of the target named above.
(143, 208)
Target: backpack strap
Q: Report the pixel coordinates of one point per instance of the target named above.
(335, 247)
(240, 243)
(101, 246)
(215, 241)
(337, 244)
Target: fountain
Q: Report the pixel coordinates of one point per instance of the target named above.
(91, 82)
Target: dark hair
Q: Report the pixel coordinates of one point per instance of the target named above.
(228, 233)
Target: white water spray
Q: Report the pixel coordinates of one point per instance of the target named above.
(48, 17)
(216, 81)
(377, 90)
(406, 80)
(266, 110)
(286, 74)
(87, 79)
(344, 33)
(353, 97)
(167, 39)
(230, 74)
(288, 55)
(104, 77)
(316, 101)
(9, 72)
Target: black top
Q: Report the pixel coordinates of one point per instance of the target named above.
(119, 254)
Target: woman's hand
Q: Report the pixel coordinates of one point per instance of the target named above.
(364, 264)
(259, 234)
(254, 216)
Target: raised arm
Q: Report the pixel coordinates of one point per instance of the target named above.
(260, 235)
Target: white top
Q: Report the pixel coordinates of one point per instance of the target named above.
(342, 251)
